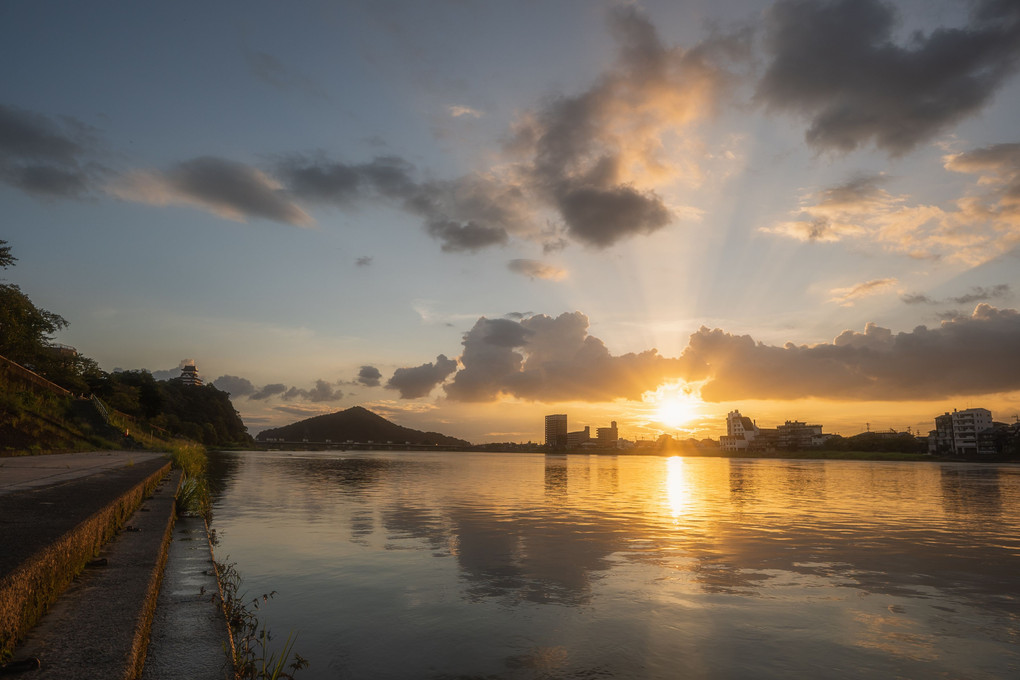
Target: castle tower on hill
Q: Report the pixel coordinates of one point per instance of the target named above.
(189, 375)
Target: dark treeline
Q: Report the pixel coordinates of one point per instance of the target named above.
(198, 412)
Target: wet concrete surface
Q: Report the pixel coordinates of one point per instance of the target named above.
(189, 633)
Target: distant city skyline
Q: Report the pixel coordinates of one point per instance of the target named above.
(465, 216)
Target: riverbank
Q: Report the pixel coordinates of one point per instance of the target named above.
(88, 538)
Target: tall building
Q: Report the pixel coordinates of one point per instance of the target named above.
(556, 430)
(607, 436)
(957, 433)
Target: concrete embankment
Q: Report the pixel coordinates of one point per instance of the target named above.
(54, 533)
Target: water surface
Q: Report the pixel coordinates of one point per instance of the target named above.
(463, 565)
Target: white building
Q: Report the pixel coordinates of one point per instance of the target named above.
(956, 433)
(740, 432)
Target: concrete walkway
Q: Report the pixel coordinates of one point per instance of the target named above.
(57, 513)
(18, 473)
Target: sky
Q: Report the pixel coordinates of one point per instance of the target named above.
(467, 215)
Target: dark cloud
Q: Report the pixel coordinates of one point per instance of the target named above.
(836, 63)
(456, 236)
(369, 376)
(466, 214)
(542, 358)
(917, 299)
(602, 216)
(269, 391)
(551, 359)
(976, 294)
(420, 380)
(226, 188)
(982, 294)
(964, 356)
(46, 157)
(363, 261)
(596, 156)
(323, 391)
(237, 387)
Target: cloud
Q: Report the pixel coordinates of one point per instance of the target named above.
(323, 391)
(369, 376)
(269, 391)
(363, 261)
(225, 188)
(979, 227)
(457, 236)
(546, 359)
(466, 214)
(846, 297)
(597, 157)
(418, 381)
(976, 294)
(537, 270)
(459, 111)
(964, 356)
(300, 410)
(995, 199)
(836, 63)
(541, 358)
(45, 157)
(237, 387)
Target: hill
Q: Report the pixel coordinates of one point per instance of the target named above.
(356, 424)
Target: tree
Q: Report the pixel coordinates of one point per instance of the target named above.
(25, 329)
(6, 259)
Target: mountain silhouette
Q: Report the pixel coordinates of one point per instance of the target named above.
(355, 424)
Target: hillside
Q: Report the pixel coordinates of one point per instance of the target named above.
(355, 424)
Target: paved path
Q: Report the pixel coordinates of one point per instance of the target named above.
(18, 473)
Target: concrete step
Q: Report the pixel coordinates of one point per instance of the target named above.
(189, 636)
(49, 533)
(99, 628)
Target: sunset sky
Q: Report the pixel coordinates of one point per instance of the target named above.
(466, 215)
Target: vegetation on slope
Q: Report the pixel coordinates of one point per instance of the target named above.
(36, 416)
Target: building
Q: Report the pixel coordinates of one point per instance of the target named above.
(607, 436)
(575, 439)
(189, 375)
(796, 435)
(740, 432)
(956, 433)
(556, 430)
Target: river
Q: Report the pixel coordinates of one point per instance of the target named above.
(519, 566)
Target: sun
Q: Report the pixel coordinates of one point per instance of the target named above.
(675, 405)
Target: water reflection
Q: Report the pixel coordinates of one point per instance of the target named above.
(870, 562)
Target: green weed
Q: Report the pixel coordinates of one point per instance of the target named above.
(253, 658)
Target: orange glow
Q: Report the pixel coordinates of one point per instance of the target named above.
(675, 405)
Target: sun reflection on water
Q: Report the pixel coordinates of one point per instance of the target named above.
(679, 489)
